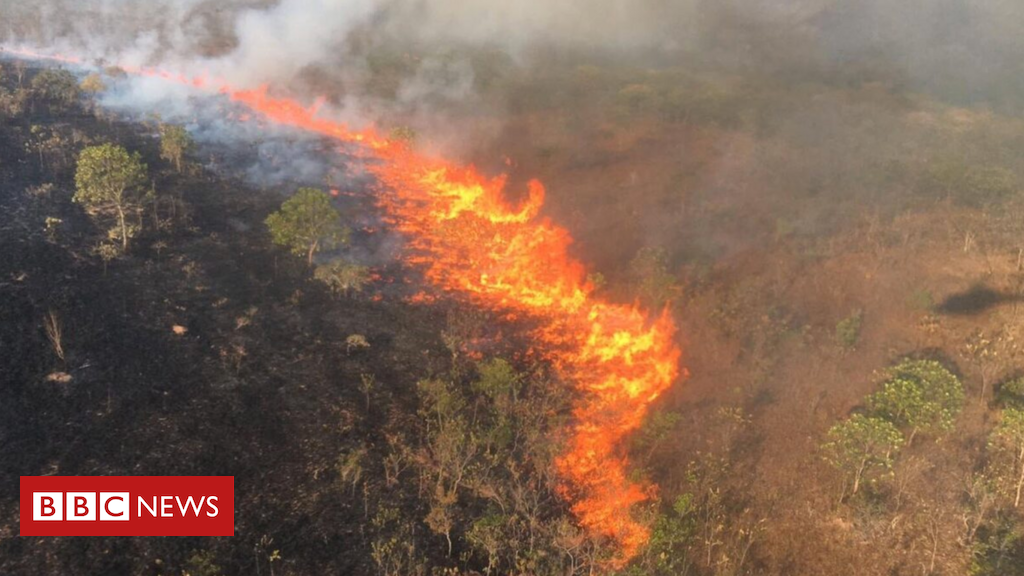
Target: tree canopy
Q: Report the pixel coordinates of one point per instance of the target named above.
(306, 223)
(175, 143)
(93, 84)
(110, 179)
(862, 444)
(59, 87)
(1007, 447)
(920, 395)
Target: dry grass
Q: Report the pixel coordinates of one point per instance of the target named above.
(54, 333)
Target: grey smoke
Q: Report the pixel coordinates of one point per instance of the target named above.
(964, 49)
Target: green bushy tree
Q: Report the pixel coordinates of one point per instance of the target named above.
(58, 87)
(306, 223)
(110, 180)
(862, 445)
(920, 395)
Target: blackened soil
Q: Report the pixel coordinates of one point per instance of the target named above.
(259, 385)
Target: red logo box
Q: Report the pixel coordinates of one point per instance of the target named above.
(127, 506)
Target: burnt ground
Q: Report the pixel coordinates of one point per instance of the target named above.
(260, 387)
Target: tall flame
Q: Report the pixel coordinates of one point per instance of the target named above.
(467, 237)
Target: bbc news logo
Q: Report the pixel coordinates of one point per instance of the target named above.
(127, 506)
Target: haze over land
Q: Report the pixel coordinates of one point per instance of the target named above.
(634, 288)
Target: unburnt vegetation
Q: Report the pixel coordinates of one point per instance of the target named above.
(843, 257)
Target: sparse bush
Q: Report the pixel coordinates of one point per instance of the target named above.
(673, 531)
(351, 468)
(175, 144)
(107, 252)
(921, 299)
(202, 563)
(51, 146)
(40, 191)
(54, 333)
(52, 226)
(12, 104)
(356, 342)
(367, 382)
(651, 279)
(848, 329)
(93, 84)
(342, 277)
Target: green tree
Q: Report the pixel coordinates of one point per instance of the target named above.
(110, 180)
(306, 222)
(175, 144)
(59, 87)
(860, 445)
(1011, 393)
(1007, 447)
(343, 277)
(920, 395)
(970, 184)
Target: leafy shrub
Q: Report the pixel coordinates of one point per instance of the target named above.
(1011, 393)
(848, 329)
(920, 395)
(342, 277)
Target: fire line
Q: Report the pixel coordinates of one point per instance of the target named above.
(467, 238)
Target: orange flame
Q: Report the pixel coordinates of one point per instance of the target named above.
(468, 238)
(464, 234)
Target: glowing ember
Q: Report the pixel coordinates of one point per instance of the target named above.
(467, 238)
